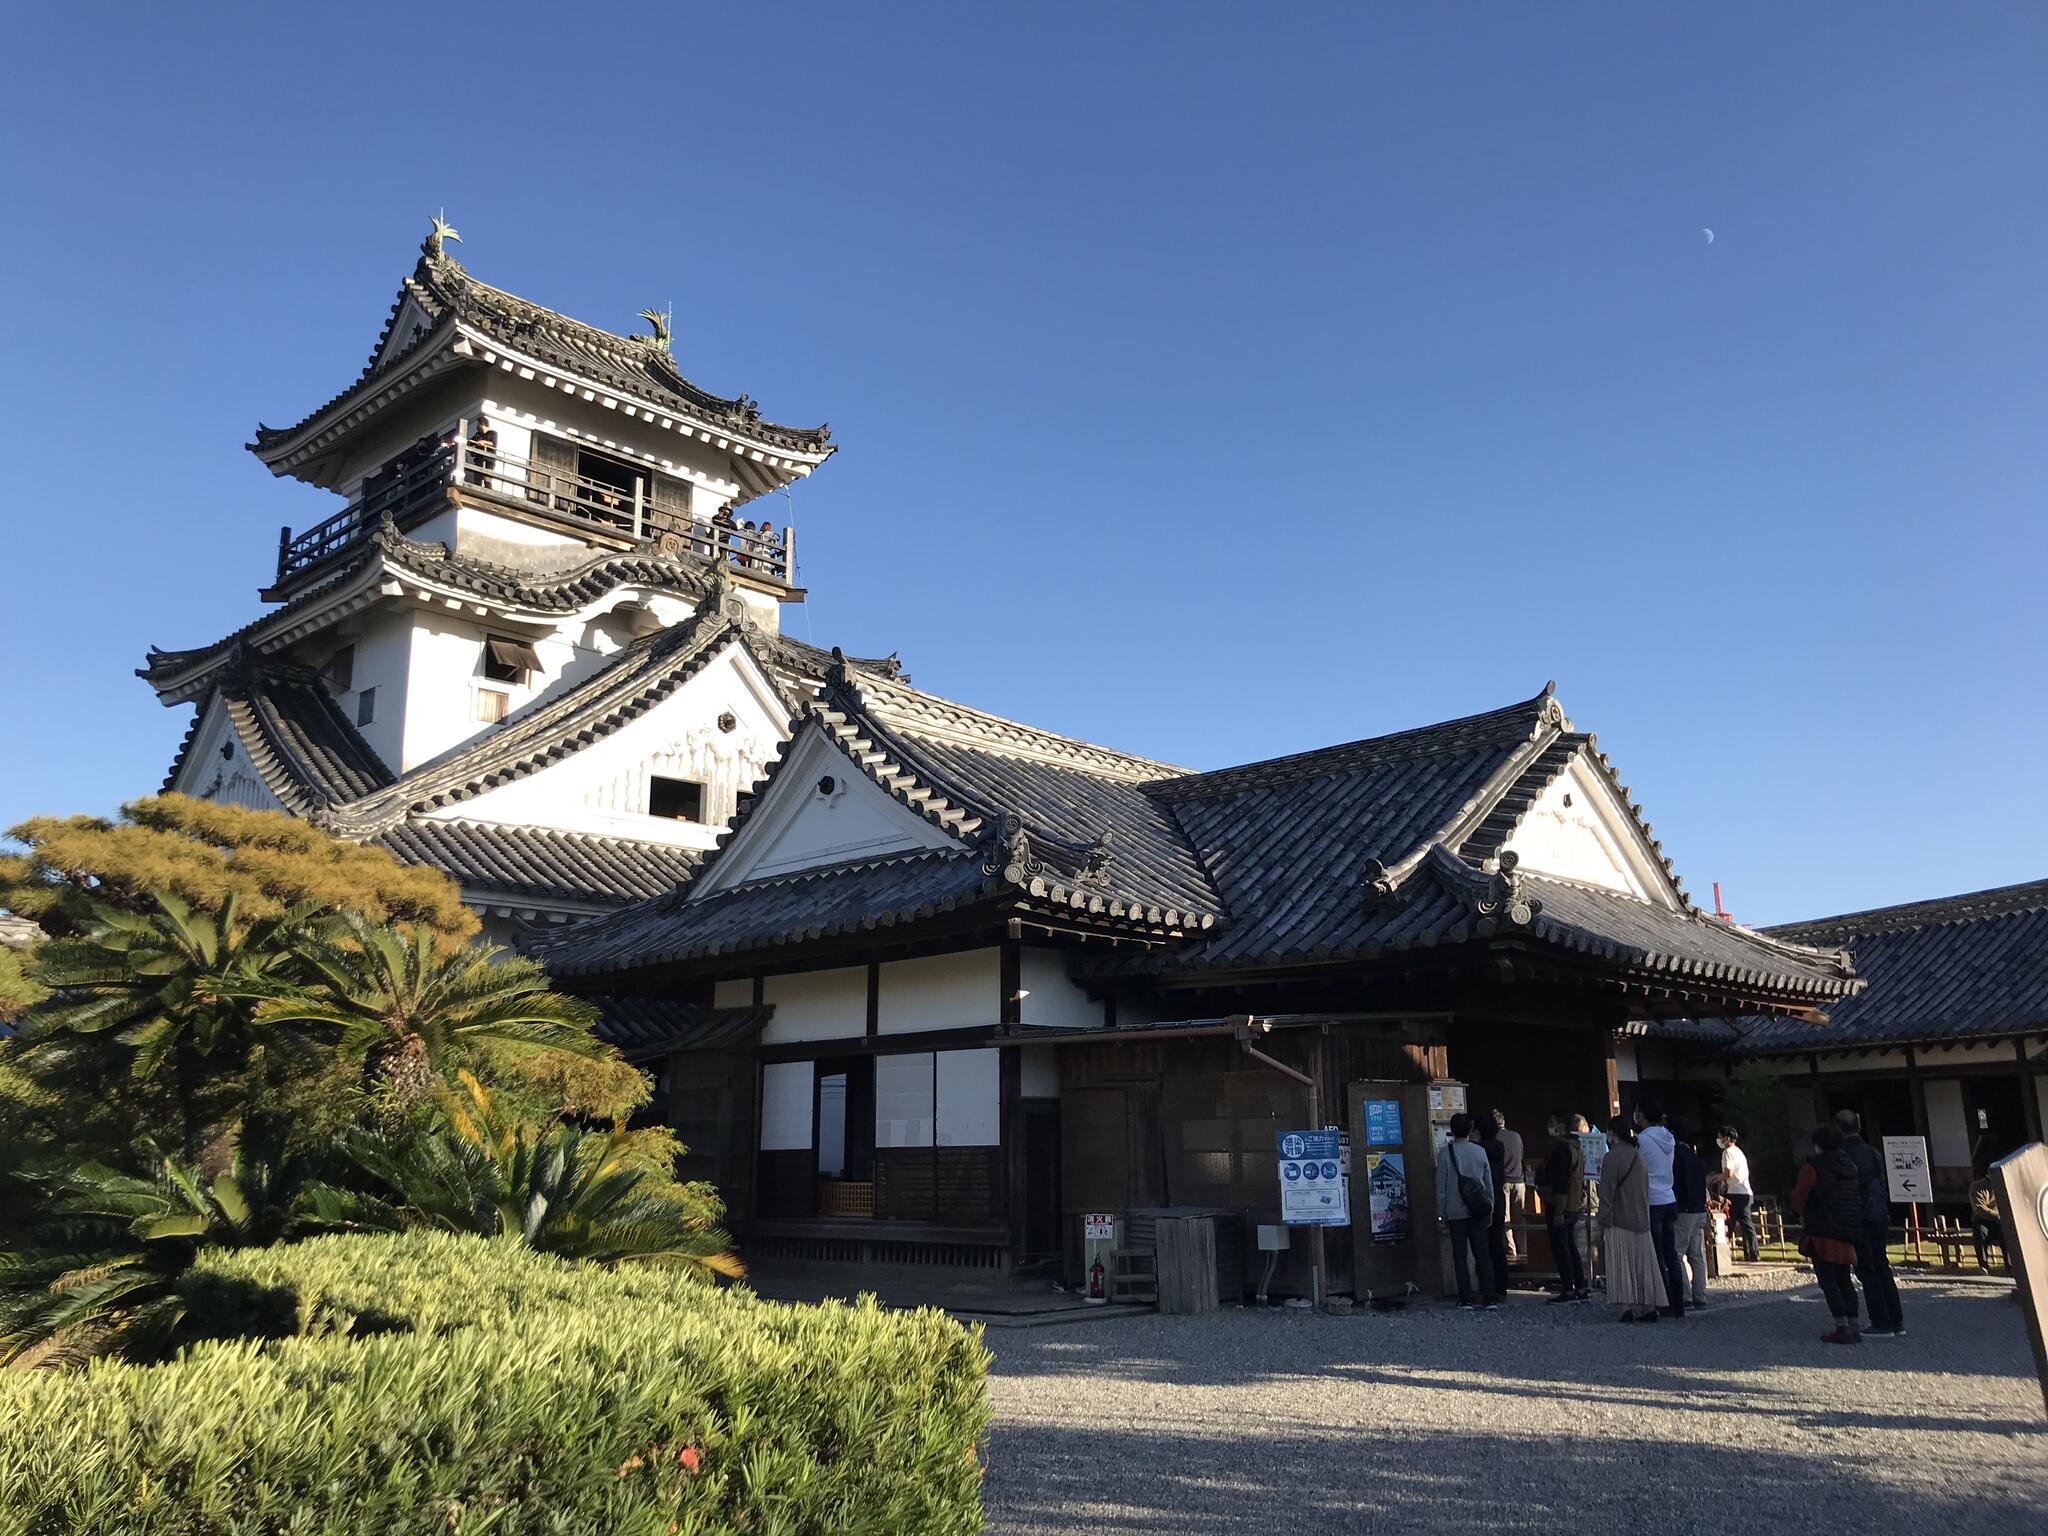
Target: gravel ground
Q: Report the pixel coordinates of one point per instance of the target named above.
(1737, 1419)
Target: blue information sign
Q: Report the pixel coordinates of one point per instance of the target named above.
(1313, 1191)
(1383, 1122)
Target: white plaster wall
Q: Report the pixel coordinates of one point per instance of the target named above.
(903, 1100)
(737, 992)
(956, 991)
(1592, 840)
(383, 661)
(603, 789)
(1948, 1128)
(816, 1005)
(1038, 1072)
(970, 1112)
(799, 827)
(1625, 1061)
(786, 1106)
(1054, 998)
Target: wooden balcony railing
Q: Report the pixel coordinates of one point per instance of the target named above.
(631, 509)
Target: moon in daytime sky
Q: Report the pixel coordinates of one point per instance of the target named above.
(1709, 234)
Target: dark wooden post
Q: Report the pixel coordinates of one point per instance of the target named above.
(2030, 1101)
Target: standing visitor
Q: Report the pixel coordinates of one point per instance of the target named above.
(1689, 1182)
(1873, 1263)
(1486, 1127)
(1735, 1185)
(1829, 1199)
(1464, 1199)
(1655, 1146)
(1516, 1175)
(1564, 1207)
(1635, 1282)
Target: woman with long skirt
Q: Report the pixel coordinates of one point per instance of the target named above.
(1635, 1280)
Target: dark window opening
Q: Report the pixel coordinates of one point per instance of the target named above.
(675, 799)
(509, 661)
(340, 671)
(366, 706)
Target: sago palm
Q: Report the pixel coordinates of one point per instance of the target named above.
(562, 1189)
(175, 988)
(409, 1011)
(110, 1248)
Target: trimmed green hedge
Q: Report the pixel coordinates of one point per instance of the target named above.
(435, 1383)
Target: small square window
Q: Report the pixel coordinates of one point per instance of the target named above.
(509, 661)
(675, 799)
(492, 706)
(366, 706)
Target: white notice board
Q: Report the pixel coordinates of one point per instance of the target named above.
(1905, 1170)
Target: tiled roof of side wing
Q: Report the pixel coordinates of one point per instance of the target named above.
(441, 287)
(1506, 727)
(299, 743)
(315, 745)
(644, 1027)
(1292, 844)
(1998, 901)
(1685, 944)
(794, 909)
(540, 863)
(1971, 966)
(1077, 799)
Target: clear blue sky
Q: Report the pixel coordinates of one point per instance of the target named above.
(1214, 381)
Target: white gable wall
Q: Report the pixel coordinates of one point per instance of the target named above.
(1579, 830)
(603, 789)
(229, 780)
(799, 826)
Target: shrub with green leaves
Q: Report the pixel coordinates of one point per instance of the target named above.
(448, 1384)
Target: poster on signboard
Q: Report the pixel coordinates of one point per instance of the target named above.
(1383, 1122)
(1593, 1144)
(1386, 1193)
(1905, 1169)
(1313, 1191)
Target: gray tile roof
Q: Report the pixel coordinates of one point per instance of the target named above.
(392, 553)
(763, 916)
(445, 292)
(539, 865)
(643, 1027)
(1343, 854)
(1965, 967)
(298, 741)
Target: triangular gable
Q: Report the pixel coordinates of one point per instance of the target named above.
(218, 764)
(720, 729)
(1582, 829)
(410, 324)
(820, 808)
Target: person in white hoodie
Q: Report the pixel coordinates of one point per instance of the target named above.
(1658, 1148)
(1467, 1219)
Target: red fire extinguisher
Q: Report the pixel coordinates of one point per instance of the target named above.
(1095, 1282)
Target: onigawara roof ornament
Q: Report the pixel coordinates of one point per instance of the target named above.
(434, 247)
(662, 321)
